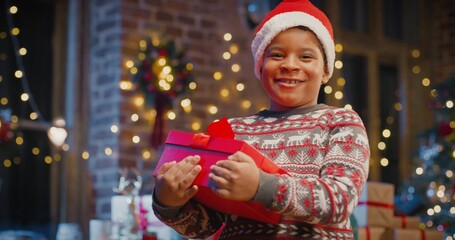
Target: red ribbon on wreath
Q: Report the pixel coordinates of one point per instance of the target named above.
(163, 74)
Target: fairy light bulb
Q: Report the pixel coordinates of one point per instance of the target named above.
(24, 97)
(171, 115)
(192, 85)
(240, 87)
(338, 47)
(338, 64)
(136, 139)
(13, 9)
(108, 151)
(234, 48)
(235, 67)
(85, 155)
(217, 76)
(227, 37)
(212, 109)
(18, 74)
(22, 51)
(328, 89)
(134, 117)
(226, 55)
(224, 92)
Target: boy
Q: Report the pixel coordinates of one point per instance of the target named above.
(325, 149)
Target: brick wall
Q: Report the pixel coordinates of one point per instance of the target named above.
(116, 29)
(104, 94)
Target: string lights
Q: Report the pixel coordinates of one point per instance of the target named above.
(56, 133)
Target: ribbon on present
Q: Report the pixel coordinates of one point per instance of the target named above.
(220, 128)
(423, 236)
(367, 231)
(223, 129)
(377, 204)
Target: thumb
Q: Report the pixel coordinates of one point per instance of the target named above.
(240, 156)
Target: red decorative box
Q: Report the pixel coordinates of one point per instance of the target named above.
(211, 149)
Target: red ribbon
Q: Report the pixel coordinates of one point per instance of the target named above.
(377, 204)
(200, 140)
(423, 235)
(221, 128)
(367, 230)
(403, 221)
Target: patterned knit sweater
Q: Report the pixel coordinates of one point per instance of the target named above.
(325, 150)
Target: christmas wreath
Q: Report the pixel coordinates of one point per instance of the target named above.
(163, 74)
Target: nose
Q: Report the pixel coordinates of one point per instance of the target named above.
(290, 63)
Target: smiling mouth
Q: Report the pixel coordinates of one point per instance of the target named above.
(288, 81)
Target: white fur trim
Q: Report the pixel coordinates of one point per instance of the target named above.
(283, 21)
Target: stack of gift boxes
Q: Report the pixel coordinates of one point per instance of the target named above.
(376, 220)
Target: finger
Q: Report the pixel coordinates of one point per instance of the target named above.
(227, 164)
(240, 156)
(190, 192)
(221, 171)
(188, 179)
(218, 182)
(183, 167)
(224, 193)
(164, 168)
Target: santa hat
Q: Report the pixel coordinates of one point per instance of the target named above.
(288, 14)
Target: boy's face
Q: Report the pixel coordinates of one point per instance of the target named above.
(293, 70)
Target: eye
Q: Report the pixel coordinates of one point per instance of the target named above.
(306, 56)
(276, 55)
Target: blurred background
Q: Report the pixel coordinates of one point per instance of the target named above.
(90, 88)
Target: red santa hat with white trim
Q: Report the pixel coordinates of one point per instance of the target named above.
(288, 14)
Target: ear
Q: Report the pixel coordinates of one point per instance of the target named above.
(325, 77)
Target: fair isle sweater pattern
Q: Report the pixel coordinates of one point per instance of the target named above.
(324, 149)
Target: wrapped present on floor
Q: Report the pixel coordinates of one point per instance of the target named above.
(375, 207)
(148, 222)
(407, 222)
(417, 234)
(374, 233)
(212, 147)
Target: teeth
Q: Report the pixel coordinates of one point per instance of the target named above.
(289, 82)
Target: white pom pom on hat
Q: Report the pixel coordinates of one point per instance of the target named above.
(288, 14)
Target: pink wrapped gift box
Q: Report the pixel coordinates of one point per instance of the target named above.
(211, 149)
(375, 207)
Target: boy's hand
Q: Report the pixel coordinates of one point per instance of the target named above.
(173, 187)
(236, 178)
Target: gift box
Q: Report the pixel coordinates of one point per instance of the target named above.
(120, 210)
(375, 206)
(416, 234)
(374, 233)
(211, 148)
(406, 222)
